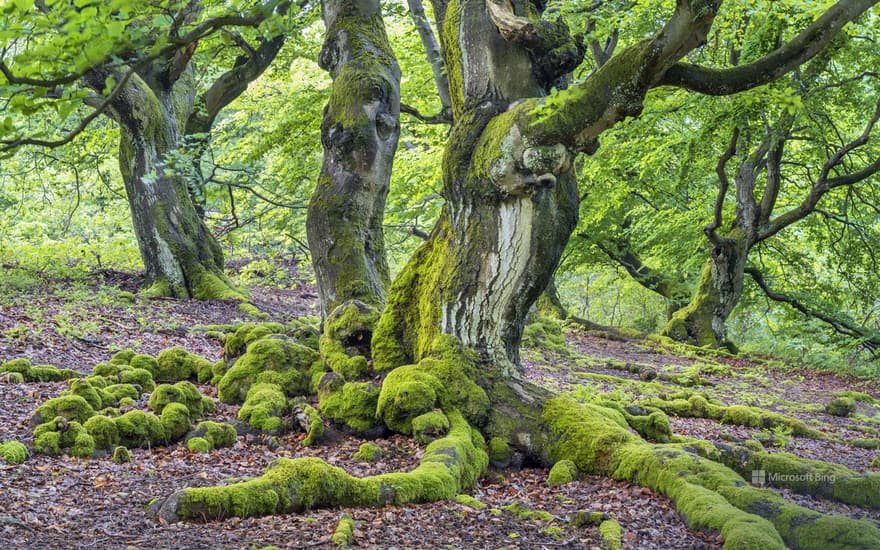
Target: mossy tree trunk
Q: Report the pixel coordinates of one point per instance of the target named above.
(181, 256)
(359, 133)
(703, 321)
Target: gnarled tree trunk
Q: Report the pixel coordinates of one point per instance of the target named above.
(359, 133)
(181, 256)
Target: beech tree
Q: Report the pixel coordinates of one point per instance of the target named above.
(443, 352)
(156, 102)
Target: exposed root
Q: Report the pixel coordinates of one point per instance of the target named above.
(449, 465)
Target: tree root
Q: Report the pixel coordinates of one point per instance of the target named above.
(449, 465)
(708, 495)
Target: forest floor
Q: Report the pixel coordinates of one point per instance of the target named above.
(64, 502)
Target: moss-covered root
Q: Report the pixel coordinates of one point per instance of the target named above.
(611, 533)
(709, 495)
(344, 532)
(345, 344)
(20, 370)
(801, 475)
(449, 465)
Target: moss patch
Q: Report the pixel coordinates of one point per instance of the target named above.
(264, 407)
(368, 452)
(13, 452)
(561, 473)
(270, 360)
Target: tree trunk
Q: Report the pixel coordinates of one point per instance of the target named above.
(359, 133)
(181, 256)
(703, 321)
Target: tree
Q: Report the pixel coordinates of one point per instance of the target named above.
(154, 100)
(760, 214)
(448, 337)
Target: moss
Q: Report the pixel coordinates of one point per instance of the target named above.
(861, 397)
(444, 379)
(116, 393)
(182, 392)
(237, 342)
(470, 502)
(269, 360)
(103, 430)
(53, 437)
(139, 377)
(522, 512)
(430, 426)
(13, 452)
(137, 429)
(707, 494)
(344, 532)
(252, 311)
(500, 452)
(20, 365)
(352, 404)
(218, 434)
(121, 455)
(122, 357)
(198, 445)
(875, 462)
(175, 421)
(611, 533)
(292, 485)
(108, 370)
(84, 389)
(145, 362)
(561, 473)
(12, 377)
(841, 406)
(263, 408)
(71, 407)
(316, 425)
(345, 343)
(48, 373)
(218, 369)
(544, 333)
(368, 452)
(178, 364)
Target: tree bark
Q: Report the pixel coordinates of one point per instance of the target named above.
(181, 256)
(359, 133)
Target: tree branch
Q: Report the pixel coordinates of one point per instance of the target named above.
(711, 230)
(800, 49)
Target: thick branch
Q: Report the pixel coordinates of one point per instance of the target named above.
(432, 52)
(723, 185)
(801, 48)
(870, 339)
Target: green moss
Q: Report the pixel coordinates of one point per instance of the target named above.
(444, 379)
(500, 452)
(122, 357)
(139, 377)
(611, 533)
(292, 485)
(121, 455)
(345, 343)
(316, 425)
(237, 342)
(211, 285)
(71, 407)
(103, 430)
(144, 362)
(544, 333)
(108, 370)
(218, 369)
(13, 452)
(470, 502)
(841, 406)
(198, 445)
(252, 311)
(368, 452)
(99, 381)
(175, 421)
(561, 473)
(875, 462)
(138, 429)
(48, 373)
(218, 434)
(53, 437)
(353, 404)
(430, 425)
(271, 361)
(522, 512)
(12, 377)
(344, 532)
(84, 389)
(861, 397)
(178, 364)
(263, 408)
(182, 392)
(116, 393)
(707, 494)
